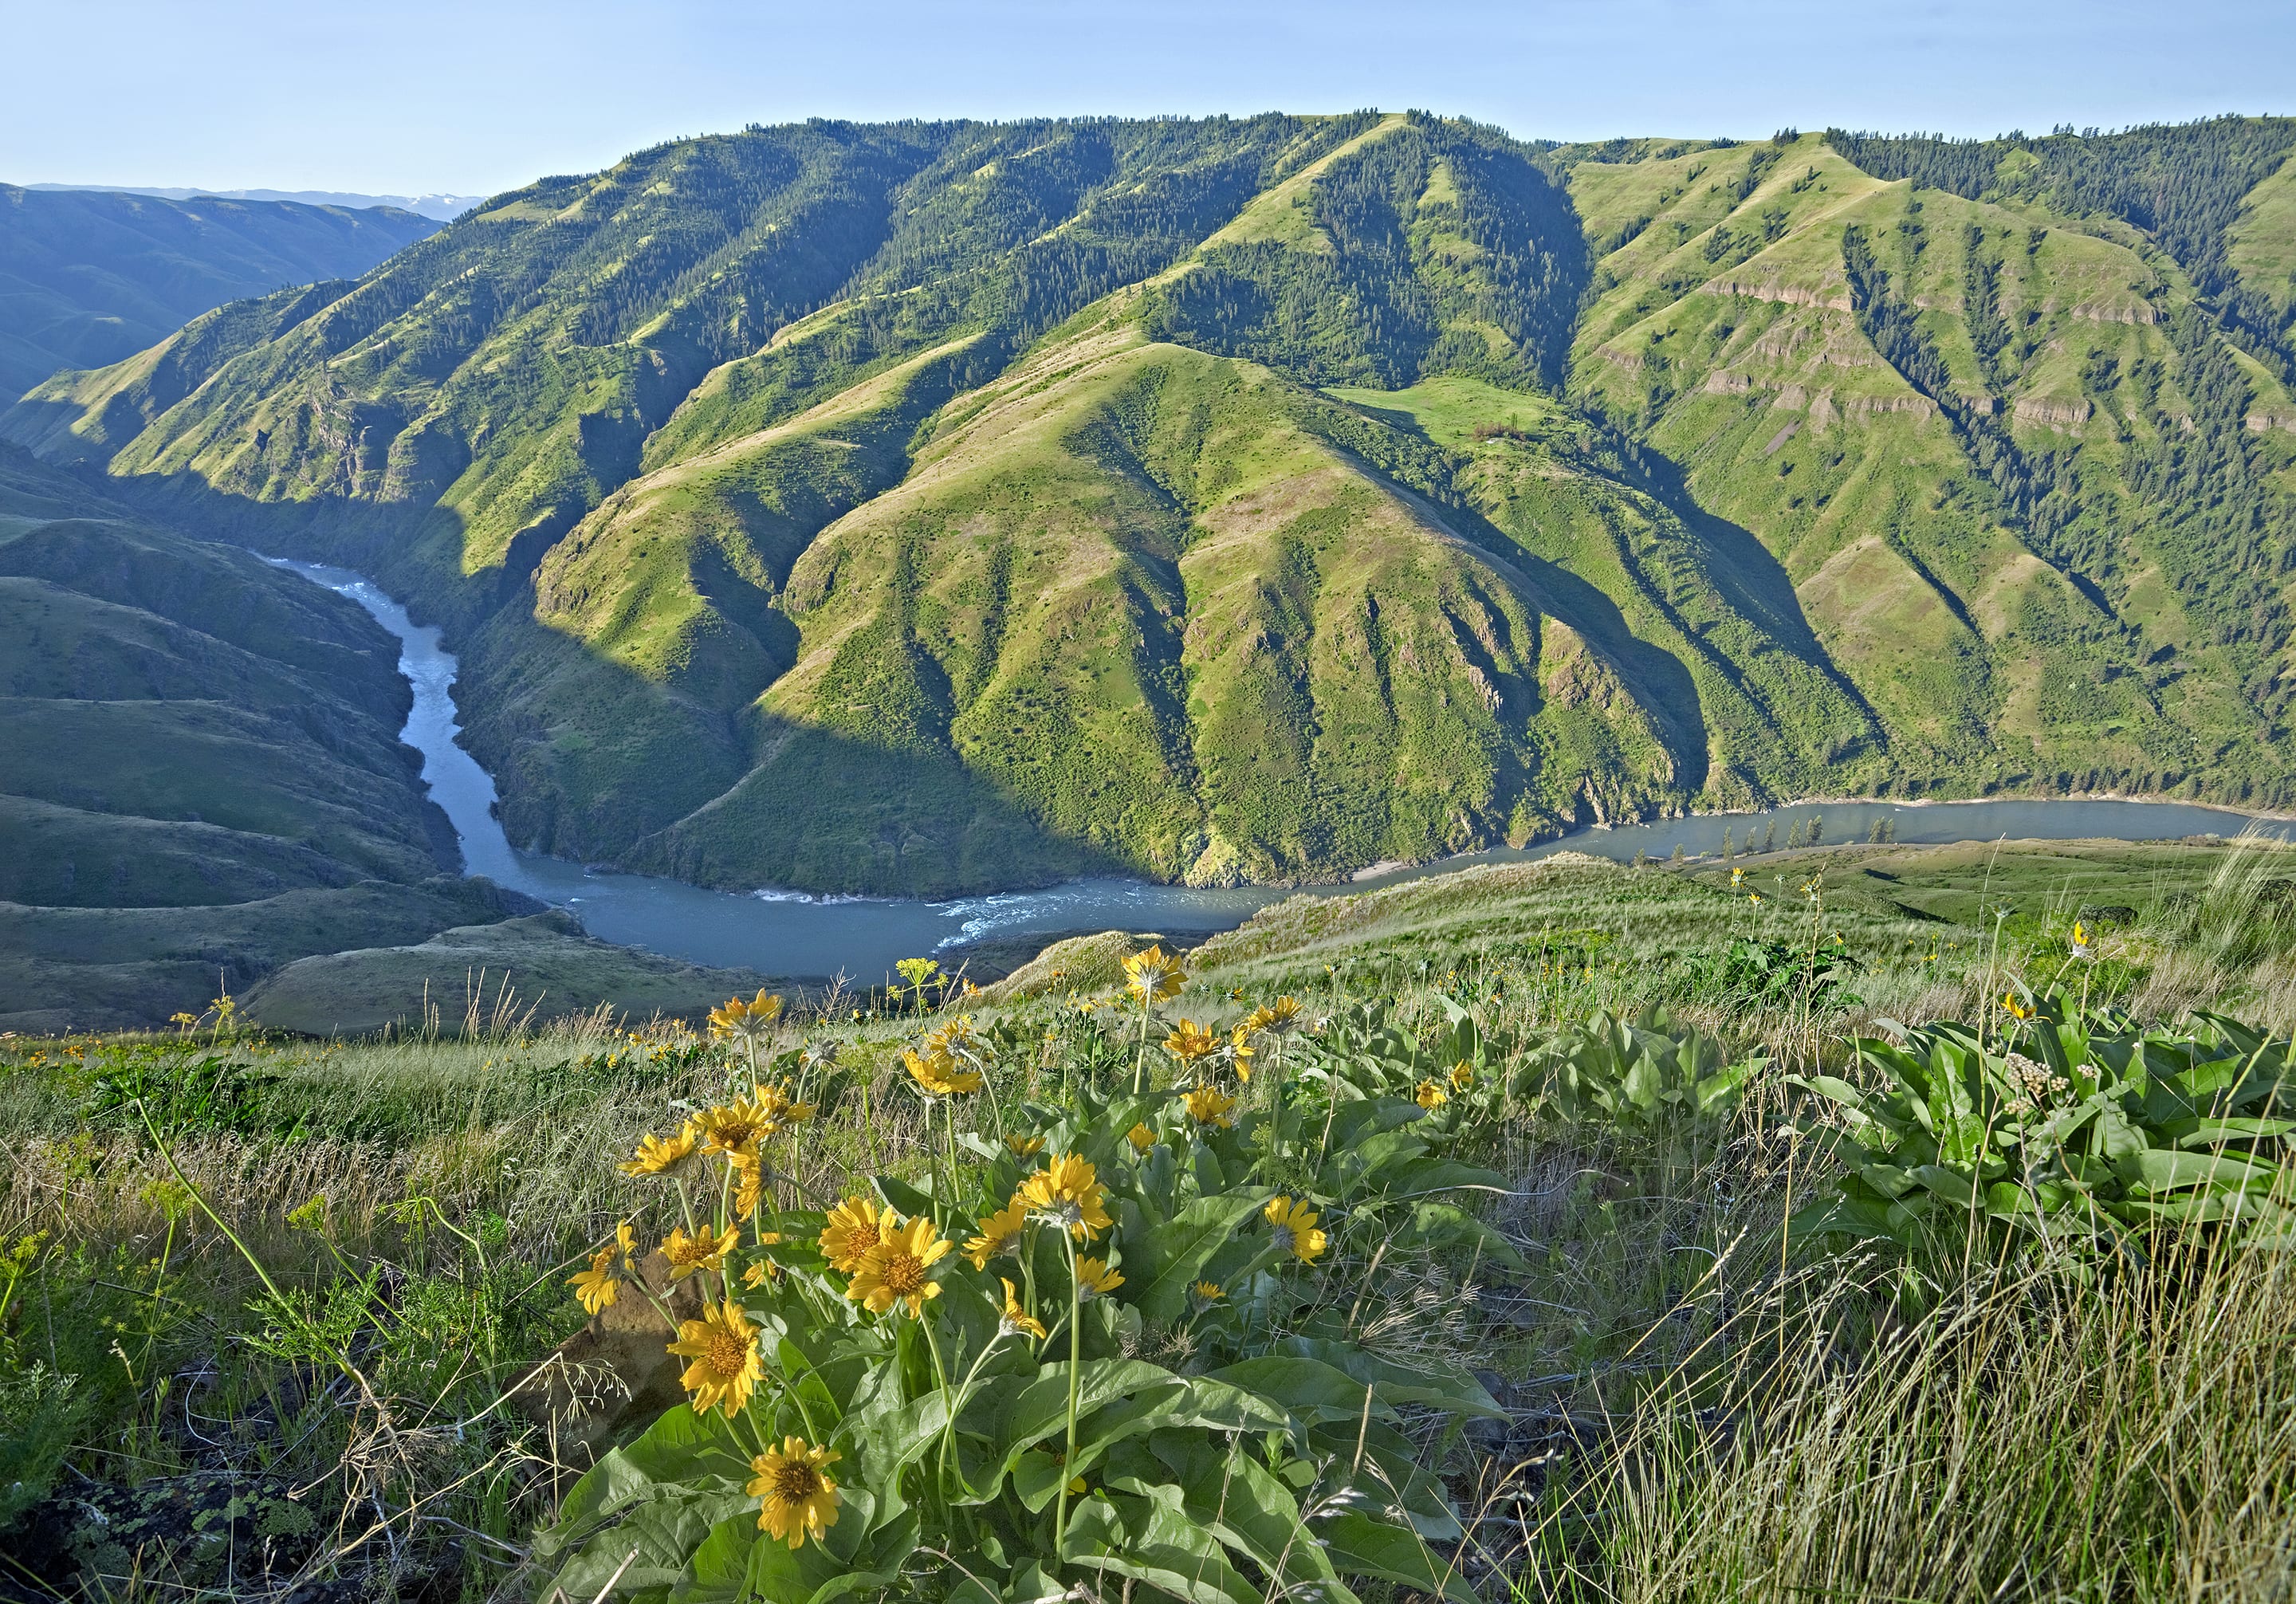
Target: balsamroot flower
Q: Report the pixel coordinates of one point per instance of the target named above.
(800, 1500)
(736, 1128)
(1190, 1040)
(1094, 1278)
(1463, 1076)
(1281, 1017)
(1025, 1147)
(1431, 1095)
(1208, 1105)
(1154, 975)
(1000, 1232)
(1067, 1193)
(1239, 1052)
(1295, 1230)
(655, 1155)
(749, 1184)
(1016, 1321)
(746, 1021)
(894, 1271)
(2083, 947)
(938, 1074)
(1208, 1292)
(597, 1288)
(723, 1346)
(854, 1227)
(1141, 1138)
(688, 1254)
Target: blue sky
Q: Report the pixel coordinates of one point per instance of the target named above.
(475, 96)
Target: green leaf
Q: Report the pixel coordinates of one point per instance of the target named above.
(1145, 1534)
(1396, 1383)
(1359, 1545)
(658, 1538)
(2162, 1169)
(1167, 1262)
(1311, 1389)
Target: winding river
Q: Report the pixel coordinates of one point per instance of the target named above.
(794, 934)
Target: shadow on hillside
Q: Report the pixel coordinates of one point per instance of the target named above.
(597, 764)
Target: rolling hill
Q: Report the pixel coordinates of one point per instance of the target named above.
(933, 507)
(90, 276)
(204, 778)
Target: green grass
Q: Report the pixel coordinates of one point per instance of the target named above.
(1690, 1403)
(869, 553)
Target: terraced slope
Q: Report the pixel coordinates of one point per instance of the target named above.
(936, 507)
(2032, 499)
(89, 277)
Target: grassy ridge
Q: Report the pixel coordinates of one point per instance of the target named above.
(204, 778)
(88, 277)
(937, 507)
(1687, 1392)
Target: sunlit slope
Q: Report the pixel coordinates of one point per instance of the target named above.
(1152, 598)
(1982, 440)
(933, 507)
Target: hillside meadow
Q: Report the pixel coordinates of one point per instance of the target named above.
(1562, 1231)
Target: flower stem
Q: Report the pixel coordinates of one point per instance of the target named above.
(1076, 1367)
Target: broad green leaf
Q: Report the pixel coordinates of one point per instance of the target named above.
(658, 1538)
(1166, 1263)
(1397, 1383)
(1359, 1545)
(1145, 1533)
(2162, 1169)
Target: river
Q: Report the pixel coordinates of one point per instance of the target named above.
(794, 934)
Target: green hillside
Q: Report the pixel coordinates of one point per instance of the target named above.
(932, 507)
(90, 276)
(204, 777)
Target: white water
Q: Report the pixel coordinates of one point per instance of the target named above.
(794, 934)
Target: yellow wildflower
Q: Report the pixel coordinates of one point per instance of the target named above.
(723, 1346)
(745, 1020)
(1000, 1232)
(1239, 1052)
(655, 1154)
(1025, 1147)
(1153, 976)
(799, 1501)
(1067, 1193)
(1017, 1322)
(597, 1288)
(1190, 1040)
(1094, 1278)
(1431, 1095)
(894, 1271)
(1208, 1105)
(749, 1184)
(1295, 1230)
(1141, 1138)
(735, 1128)
(854, 1227)
(2017, 1008)
(1463, 1076)
(1210, 1292)
(938, 1075)
(688, 1254)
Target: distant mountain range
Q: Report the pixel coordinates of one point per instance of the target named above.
(926, 508)
(441, 208)
(87, 277)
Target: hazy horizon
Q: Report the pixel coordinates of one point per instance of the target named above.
(450, 99)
